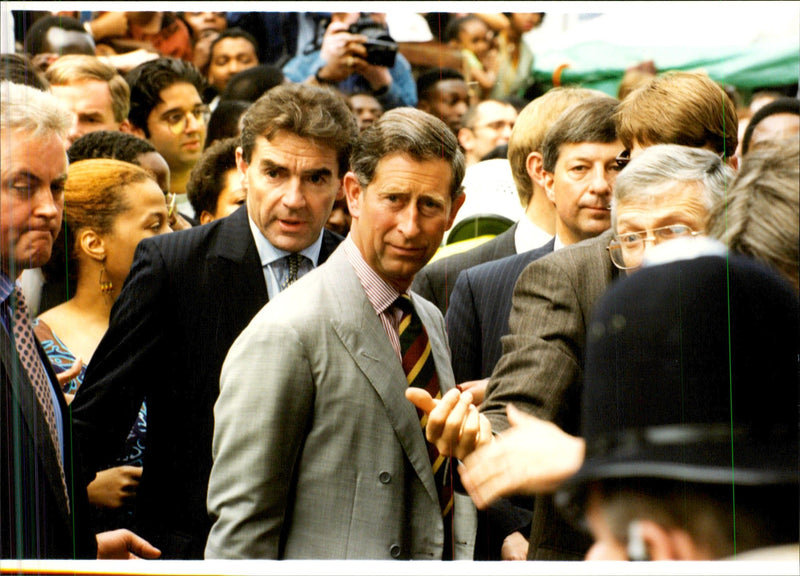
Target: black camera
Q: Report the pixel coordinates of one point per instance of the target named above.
(381, 48)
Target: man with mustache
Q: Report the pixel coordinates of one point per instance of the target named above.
(187, 298)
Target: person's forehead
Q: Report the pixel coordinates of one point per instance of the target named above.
(595, 150)
(231, 45)
(42, 156)
(364, 101)
(665, 195)
(287, 144)
(490, 111)
(452, 86)
(179, 94)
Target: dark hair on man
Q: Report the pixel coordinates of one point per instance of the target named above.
(233, 33)
(317, 113)
(428, 79)
(109, 144)
(224, 121)
(19, 69)
(591, 120)
(249, 85)
(147, 81)
(34, 38)
(783, 105)
(208, 176)
(408, 131)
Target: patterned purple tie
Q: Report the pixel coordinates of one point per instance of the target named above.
(29, 356)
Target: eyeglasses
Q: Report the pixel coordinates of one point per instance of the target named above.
(623, 159)
(176, 119)
(627, 250)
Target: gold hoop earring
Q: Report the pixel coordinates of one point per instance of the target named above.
(106, 286)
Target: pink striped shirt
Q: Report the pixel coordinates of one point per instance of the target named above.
(380, 294)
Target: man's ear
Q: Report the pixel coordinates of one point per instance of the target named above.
(454, 208)
(92, 244)
(353, 192)
(661, 543)
(733, 162)
(129, 128)
(466, 138)
(548, 182)
(534, 165)
(241, 166)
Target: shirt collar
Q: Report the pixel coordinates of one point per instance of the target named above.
(268, 253)
(529, 236)
(379, 293)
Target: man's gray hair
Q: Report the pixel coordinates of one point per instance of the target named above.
(662, 166)
(27, 109)
(407, 131)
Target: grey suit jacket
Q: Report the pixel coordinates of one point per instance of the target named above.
(540, 371)
(435, 281)
(317, 452)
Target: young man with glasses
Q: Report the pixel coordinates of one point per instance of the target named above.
(167, 110)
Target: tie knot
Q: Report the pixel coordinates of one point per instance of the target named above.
(293, 262)
(404, 303)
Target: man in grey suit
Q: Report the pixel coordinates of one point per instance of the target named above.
(190, 294)
(317, 453)
(436, 280)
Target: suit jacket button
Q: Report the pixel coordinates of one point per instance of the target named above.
(385, 477)
(395, 551)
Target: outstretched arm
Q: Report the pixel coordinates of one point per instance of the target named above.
(533, 456)
(454, 424)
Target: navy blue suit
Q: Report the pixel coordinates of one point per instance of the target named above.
(476, 320)
(36, 521)
(435, 281)
(477, 317)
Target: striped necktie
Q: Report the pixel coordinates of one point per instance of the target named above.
(420, 371)
(25, 343)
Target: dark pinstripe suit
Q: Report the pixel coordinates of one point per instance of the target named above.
(435, 281)
(541, 367)
(187, 298)
(478, 313)
(35, 520)
(476, 320)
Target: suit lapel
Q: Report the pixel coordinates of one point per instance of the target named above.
(34, 420)
(362, 333)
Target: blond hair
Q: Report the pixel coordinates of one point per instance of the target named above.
(530, 129)
(74, 68)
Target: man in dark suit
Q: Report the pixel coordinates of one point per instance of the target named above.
(43, 502)
(436, 281)
(579, 160)
(189, 295)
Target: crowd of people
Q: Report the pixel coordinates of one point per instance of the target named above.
(231, 327)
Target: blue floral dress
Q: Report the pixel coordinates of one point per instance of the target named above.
(62, 359)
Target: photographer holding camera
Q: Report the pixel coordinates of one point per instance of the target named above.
(357, 55)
